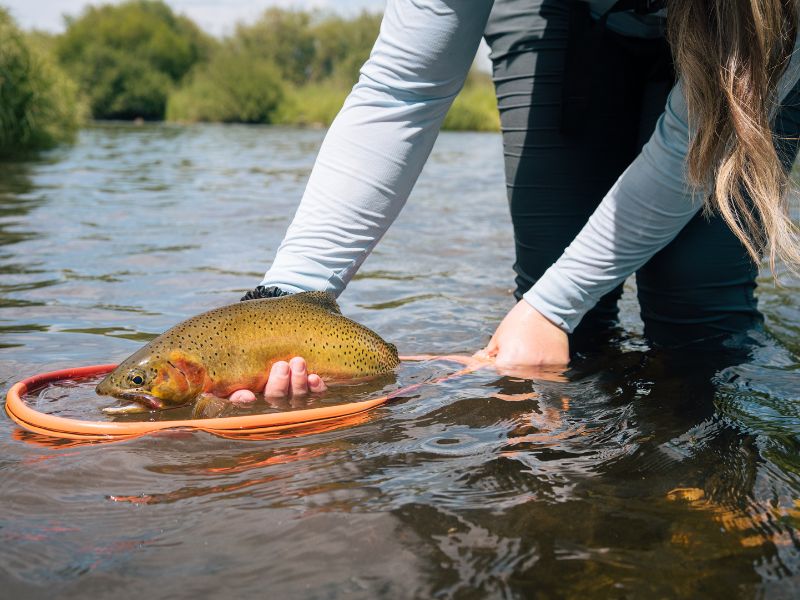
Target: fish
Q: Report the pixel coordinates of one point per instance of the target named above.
(233, 347)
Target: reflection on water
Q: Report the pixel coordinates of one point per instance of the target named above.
(76, 399)
(646, 474)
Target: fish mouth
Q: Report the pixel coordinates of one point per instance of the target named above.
(147, 400)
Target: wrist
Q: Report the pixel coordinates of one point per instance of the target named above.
(545, 310)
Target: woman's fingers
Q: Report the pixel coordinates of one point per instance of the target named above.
(299, 376)
(292, 379)
(490, 351)
(242, 397)
(315, 383)
(279, 380)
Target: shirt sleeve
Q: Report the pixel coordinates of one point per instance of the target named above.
(377, 145)
(645, 209)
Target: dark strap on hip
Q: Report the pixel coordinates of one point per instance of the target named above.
(642, 7)
(585, 40)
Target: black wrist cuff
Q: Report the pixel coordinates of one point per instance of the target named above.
(272, 291)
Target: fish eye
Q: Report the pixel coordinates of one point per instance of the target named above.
(136, 378)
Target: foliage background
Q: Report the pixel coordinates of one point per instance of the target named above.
(39, 103)
(139, 60)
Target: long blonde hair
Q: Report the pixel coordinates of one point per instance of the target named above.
(730, 55)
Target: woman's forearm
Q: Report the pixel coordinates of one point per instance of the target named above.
(646, 208)
(379, 142)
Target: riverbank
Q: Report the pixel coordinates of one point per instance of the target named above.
(39, 104)
(138, 60)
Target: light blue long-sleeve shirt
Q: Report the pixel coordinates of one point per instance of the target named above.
(377, 145)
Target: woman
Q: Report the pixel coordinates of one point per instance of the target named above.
(579, 86)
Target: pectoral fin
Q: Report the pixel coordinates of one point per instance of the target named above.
(209, 406)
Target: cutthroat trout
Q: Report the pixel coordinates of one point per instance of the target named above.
(233, 348)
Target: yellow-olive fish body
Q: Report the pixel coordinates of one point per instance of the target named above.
(233, 347)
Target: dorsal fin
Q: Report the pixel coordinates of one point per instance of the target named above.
(323, 299)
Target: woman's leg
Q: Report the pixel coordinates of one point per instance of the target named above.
(555, 179)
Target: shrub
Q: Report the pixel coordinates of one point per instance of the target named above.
(475, 108)
(311, 47)
(39, 105)
(342, 46)
(320, 57)
(288, 67)
(234, 87)
(126, 57)
(282, 37)
(313, 104)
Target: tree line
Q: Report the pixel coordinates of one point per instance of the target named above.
(140, 60)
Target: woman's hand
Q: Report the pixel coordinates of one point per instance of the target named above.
(292, 379)
(285, 379)
(527, 339)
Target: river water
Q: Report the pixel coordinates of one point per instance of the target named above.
(646, 474)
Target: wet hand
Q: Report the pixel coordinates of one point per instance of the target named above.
(292, 379)
(285, 379)
(526, 340)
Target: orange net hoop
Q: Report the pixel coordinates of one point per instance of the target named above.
(243, 426)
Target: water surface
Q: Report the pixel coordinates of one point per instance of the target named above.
(647, 474)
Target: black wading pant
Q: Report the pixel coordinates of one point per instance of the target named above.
(577, 102)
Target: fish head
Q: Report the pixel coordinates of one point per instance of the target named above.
(155, 381)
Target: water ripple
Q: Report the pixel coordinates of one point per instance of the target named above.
(646, 474)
